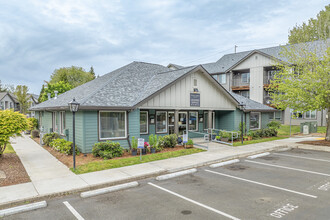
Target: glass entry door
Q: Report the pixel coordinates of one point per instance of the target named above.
(171, 122)
(182, 122)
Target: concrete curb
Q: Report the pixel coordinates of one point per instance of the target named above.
(224, 163)
(23, 208)
(108, 189)
(176, 174)
(258, 155)
(313, 147)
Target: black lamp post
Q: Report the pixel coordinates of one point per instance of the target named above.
(74, 108)
(242, 107)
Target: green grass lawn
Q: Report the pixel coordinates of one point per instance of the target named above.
(121, 162)
(9, 150)
(285, 130)
(258, 141)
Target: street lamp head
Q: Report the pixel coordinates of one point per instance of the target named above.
(73, 105)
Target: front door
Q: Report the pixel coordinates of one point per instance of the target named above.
(182, 122)
(171, 122)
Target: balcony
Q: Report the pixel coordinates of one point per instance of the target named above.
(241, 81)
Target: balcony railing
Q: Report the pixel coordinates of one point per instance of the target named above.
(239, 82)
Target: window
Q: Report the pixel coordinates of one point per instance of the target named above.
(215, 77)
(297, 114)
(143, 122)
(222, 78)
(195, 82)
(310, 114)
(245, 77)
(246, 93)
(275, 115)
(112, 124)
(193, 121)
(161, 122)
(255, 120)
(62, 122)
(54, 121)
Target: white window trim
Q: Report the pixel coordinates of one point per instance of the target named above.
(114, 138)
(166, 119)
(61, 122)
(259, 113)
(196, 120)
(54, 126)
(310, 115)
(147, 122)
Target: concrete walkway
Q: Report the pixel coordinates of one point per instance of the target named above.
(50, 177)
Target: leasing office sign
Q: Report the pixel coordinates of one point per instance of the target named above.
(195, 99)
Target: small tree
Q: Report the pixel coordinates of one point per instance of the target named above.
(11, 124)
(60, 87)
(23, 98)
(303, 83)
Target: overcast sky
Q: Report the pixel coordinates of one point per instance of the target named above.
(36, 37)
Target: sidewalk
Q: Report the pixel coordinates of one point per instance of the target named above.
(50, 177)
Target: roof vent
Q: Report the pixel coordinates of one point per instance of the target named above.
(48, 95)
(55, 94)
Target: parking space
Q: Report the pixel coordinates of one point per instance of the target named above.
(277, 186)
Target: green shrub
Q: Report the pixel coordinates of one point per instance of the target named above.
(152, 140)
(107, 150)
(48, 138)
(159, 144)
(190, 142)
(274, 124)
(134, 143)
(170, 140)
(267, 132)
(32, 123)
(63, 146)
(35, 133)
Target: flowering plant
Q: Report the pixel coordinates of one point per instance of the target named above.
(146, 144)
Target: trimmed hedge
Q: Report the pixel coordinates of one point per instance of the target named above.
(107, 150)
(266, 132)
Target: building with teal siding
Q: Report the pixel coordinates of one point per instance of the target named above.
(140, 99)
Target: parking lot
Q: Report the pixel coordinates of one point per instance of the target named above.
(292, 184)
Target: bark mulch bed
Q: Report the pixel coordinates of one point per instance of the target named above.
(14, 170)
(84, 159)
(319, 142)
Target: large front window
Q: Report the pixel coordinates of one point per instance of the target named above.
(143, 122)
(193, 121)
(255, 120)
(161, 122)
(112, 125)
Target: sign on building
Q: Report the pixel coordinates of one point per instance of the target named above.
(195, 99)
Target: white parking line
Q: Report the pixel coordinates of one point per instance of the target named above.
(197, 203)
(262, 184)
(73, 211)
(289, 168)
(308, 158)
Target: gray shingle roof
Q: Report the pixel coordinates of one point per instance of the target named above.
(176, 66)
(229, 60)
(251, 105)
(122, 88)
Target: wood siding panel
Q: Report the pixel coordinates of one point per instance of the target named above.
(211, 96)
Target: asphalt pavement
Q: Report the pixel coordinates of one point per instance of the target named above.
(292, 184)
